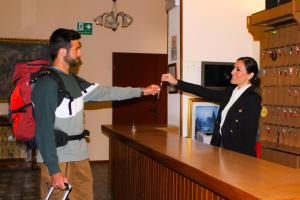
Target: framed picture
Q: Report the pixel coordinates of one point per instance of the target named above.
(171, 4)
(173, 47)
(173, 71)
(13, 50)
(201, 118)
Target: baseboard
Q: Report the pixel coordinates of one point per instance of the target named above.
(16, 164)
(98, 162)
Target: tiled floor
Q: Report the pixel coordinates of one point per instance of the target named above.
(101, 181)
(19, 184)
(23, 184)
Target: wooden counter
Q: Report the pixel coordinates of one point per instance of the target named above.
(154, 163)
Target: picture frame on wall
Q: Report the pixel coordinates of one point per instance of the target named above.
(171, 4)
(13, 50)
(172, 69)
(201, 119)
(174, 48)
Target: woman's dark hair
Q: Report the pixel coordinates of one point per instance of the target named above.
(61, 38)
(251, 66)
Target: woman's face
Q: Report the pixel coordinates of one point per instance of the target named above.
(240, 76)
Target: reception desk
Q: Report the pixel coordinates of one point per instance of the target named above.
(156, 163)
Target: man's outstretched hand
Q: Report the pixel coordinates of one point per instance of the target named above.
(151, 90)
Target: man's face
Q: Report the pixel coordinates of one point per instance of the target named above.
(73, 54)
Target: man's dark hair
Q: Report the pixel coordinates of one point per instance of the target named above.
(61, 38)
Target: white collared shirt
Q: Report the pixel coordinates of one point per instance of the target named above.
(236, 93)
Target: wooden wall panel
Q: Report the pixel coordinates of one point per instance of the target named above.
(284, 158)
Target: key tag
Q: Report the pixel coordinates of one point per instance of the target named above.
(133, 128)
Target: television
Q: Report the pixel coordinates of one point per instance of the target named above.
(216, 75)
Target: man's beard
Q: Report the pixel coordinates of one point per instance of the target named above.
(73, 62)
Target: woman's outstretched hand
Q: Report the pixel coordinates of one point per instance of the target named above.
(169, 78)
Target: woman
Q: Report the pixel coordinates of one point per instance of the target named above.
(236, 126)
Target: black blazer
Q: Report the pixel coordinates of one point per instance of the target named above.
(240, 127)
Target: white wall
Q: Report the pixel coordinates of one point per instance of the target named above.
(148, 34)
(174, 30)
(215, 31)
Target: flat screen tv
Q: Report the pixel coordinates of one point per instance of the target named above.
(216, 75)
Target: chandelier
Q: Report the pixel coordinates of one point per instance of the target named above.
(110, 19)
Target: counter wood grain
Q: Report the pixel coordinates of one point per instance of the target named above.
(154, 163)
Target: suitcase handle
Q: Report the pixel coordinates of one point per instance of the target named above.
(67, 189)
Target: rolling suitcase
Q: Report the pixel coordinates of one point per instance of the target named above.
(66, 193)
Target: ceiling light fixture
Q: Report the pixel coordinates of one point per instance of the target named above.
(110, 19)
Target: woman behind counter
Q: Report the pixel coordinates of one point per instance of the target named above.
(236, 126)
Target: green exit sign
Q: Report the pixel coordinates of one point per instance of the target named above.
(85, 28)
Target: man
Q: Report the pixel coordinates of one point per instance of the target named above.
(69, 163)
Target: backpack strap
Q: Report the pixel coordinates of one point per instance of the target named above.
(22, 108)
(84, 134)
(62, 138)
(79, 81)
(62, 92)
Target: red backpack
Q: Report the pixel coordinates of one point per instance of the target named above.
(20, 106)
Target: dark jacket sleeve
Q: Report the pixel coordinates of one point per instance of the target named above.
(209, 94)
(45, 97)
